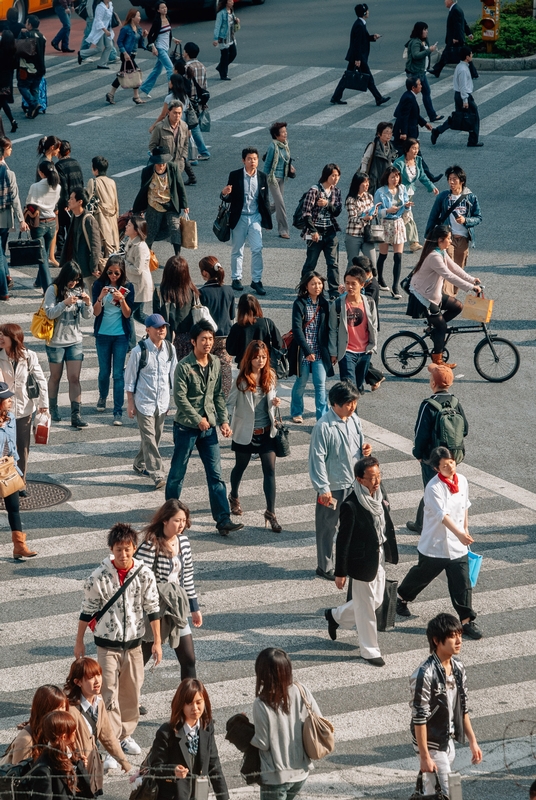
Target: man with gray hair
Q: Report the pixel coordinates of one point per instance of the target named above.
(172, 133)
(336, 444)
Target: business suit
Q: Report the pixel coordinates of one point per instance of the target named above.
(407, 118)
(360, 556)
(359, 50)
(457, 30)
(248, 223)
(170, 749)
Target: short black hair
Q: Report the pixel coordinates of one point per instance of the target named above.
(437, 454)
(442, 628)
(384, 180)
(361, 466)
(65, 148)
(343, 392)
(458, 171)
(81, 194)
(192, 49)
(532, 791)
(275, 129)
(199, 328)
(249, 151)
(328, 169)
(464, 52)
(363, 262)
(100, 164)
(356, 272)
(361, 9)
(33, 21)
(122, 532)
(411, 82)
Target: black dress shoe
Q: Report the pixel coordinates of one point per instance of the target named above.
(436, 119)
(338, 102)
(434, 135)
(332, 625)
(143, 711)
(376, 662)
(382, 100)
(190, 182)
(437, 178)
(470, 629)
(402, 608)
(258, 287)
(476, 144)
(230, 527)
(67, 50)
(56, 46)
(328, 576)
(432, 72)
(237, 285)
(414, 527)
(23, 493)
(224, 79)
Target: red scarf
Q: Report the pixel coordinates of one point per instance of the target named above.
(452, 484)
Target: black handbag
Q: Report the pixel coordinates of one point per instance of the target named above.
(386, 613)
(281, 442)
(358, 81)
(418, 794)
(405, 282)
(115, 22)
(462, 121)
(24, 252)
(222, 224)
(32, 387)
(279, 362)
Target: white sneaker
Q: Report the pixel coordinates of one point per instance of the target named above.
(110, 763)
(130, 747)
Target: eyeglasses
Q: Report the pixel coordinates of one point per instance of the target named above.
(113, 273)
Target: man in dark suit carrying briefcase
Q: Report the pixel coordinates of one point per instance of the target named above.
(357, 57)
(247, 191)
(457, 30)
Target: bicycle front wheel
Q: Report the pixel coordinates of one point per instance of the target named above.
(496, 361)
(404, 354)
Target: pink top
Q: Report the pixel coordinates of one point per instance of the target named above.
(358, 337)
(435, 269)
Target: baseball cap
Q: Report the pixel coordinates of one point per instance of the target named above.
(5, 391)
(155, 321)
(441, 375)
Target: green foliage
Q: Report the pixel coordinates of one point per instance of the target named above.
(517, 36)
(521, 8)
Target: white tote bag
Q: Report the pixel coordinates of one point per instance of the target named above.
(200, 313)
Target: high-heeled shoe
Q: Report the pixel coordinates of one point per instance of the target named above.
(14, 125)
(270, 519)
(235, 506)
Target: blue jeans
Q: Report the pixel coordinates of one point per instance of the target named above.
(318, 371)
(4, 236)
(162, 62)
(247, 227)
(281, 791)
(29, 89)
(112, 348)
(3, 276)
(45, 233)
(197, 136)
(353, 367)
(62, 37)
(185, 439)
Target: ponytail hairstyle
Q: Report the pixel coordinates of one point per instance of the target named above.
(212, 266)
(49, 173)
(47, 143)
(59, 732)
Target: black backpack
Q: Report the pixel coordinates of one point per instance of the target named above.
(143, 359)
(449, 427)
(12, 778)
(297, 218)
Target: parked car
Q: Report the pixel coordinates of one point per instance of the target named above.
(24, 7)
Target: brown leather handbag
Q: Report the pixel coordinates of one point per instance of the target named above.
(10, 480)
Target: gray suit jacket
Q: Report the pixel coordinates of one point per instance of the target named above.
(241, 410)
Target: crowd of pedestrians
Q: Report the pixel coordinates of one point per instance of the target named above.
(143, 594)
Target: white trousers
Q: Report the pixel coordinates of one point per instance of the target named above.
(361, 611)
(443, 759)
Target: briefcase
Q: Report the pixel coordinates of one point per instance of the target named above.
(24, 252)
(462, 121)
(386, 613)
(358, 81)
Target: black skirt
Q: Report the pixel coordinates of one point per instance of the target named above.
(259, 444)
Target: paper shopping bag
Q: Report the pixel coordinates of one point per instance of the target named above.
(188, 233)
(476, 308)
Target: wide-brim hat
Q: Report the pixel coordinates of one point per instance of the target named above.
(160, 155)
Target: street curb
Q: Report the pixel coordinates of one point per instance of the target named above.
(504, 64)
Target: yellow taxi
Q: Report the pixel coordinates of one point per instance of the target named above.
(23, 7)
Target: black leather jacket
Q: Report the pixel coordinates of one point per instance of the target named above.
(430, 706)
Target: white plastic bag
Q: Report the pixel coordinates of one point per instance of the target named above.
(41, 428)
(200, 312)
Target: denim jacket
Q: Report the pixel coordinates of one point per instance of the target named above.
(221, 27)
(8, 432)
(384, 196)
(129, 40)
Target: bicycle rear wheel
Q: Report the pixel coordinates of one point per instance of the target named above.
(404, 354)
(497, 361)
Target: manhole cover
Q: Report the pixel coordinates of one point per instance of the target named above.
(42, 495)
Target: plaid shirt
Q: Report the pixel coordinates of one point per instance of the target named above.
(310, 330)
(356, 208)
(311, 211)
(199, 73)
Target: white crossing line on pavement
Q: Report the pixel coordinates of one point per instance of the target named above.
(371, 122)
(82, 122)
(508, 113)
(246, 133)
(333, 113)
(27, 138)
(259, 95)
(488, 92)
(528, 133)
(282, 110)
(128, 172)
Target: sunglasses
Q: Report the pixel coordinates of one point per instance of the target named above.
(113, 273)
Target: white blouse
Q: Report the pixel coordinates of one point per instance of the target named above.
(436, 540)
(44, 197)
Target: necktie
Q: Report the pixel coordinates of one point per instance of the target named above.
(193, 743)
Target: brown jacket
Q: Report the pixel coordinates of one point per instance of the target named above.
(86, 744)
(163, 136)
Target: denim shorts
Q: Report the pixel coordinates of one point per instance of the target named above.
(57, 355)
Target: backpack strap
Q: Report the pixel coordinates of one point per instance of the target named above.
(141, 363)
(99, 614)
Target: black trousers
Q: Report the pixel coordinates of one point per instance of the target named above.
(337, 94)
(472, 108)
(329, 245)
(12, 505)
(457, 570)
(227, 56)
(427, 473)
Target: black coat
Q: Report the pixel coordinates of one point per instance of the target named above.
(360, 40)
(220, 301)
(299, 347)
(176, 186)
(71, 178)
(170, 749)
(357, 552)
(44, 782)
(241, 335)
(407, 117)
(457, 27)
(236, 180)
(8, 65)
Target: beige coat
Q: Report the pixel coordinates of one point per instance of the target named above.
(85, 741)
(106, 212)
(16, 381)
(21, 746)
(137, 256)
(163, 136)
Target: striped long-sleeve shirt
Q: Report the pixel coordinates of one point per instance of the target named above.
(162, 567)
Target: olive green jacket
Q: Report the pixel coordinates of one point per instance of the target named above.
(195, 401)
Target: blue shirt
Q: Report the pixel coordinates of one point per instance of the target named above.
(112, 323)
(251, 194)
(154, 384)
(335, 447)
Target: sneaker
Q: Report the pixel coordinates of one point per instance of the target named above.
(101, 404)
(110, 763)
(130, 747)
(118, 420)
(298, 420)
(203, 158)
(140, 471)
(402, 608)
(471, 630)
(332, 625)
(147, 95)
(414, 246)
(237, 285)
(159, 483)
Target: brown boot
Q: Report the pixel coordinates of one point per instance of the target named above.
(234, 503)
(437, 358)
(20, 550)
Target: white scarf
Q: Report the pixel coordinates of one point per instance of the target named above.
(374, 505)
